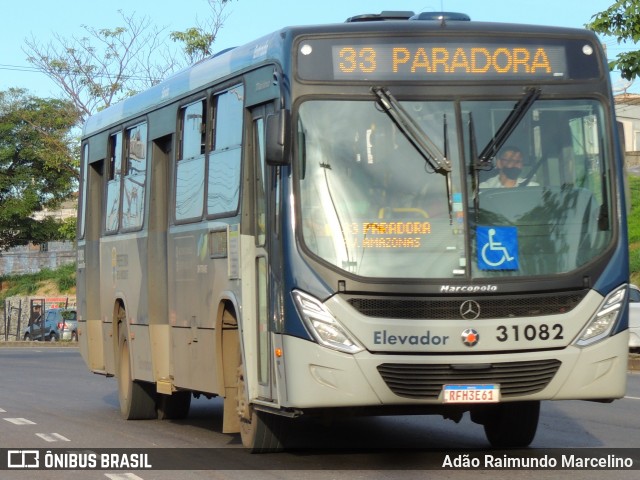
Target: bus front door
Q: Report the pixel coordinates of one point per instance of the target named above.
(262, 193)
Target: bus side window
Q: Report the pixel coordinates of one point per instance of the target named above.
(135, 177)
(82, 204)
(225, 158)
(190, 165)
(114, 182)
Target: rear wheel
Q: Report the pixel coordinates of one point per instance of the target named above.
(512, 425)
(137, 399)
(260, 432)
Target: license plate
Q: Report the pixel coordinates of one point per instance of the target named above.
(471, 393)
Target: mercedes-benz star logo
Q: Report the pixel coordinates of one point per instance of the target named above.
(470, 310)
(470, 337)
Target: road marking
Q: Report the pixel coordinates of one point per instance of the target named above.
(122, 476)
(53, 437)
(632, 398)
(2, 410)
(20, 421)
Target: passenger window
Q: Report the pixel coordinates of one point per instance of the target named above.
(83, 196)
(190, 168)
(135, 177)
(225, 159)
(114, 181)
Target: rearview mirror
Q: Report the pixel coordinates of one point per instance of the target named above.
(278, 137)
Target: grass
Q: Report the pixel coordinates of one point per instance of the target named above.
(633, 223)
(62, 280)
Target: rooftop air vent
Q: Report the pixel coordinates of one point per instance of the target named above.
(442, 16)
(385, 15)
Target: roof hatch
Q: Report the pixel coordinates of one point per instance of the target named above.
(408, 15)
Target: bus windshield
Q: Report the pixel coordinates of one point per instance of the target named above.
(373, 206)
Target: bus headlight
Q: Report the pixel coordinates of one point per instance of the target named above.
(323, 326)
(605, 318)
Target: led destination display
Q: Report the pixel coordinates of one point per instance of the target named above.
(410, 60)
(413, 59)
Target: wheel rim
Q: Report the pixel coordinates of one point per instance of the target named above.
(124, 376)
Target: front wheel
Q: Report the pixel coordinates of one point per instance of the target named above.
(512, 425)
(137, 399)
(260, 432)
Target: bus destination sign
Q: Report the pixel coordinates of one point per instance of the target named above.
(408, 60)
(459, 61)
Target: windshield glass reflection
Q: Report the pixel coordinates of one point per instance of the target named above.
(372, 205)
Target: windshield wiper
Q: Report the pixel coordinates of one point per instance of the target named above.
(520, 109)
(435, 158)
(484, 161)
(408, 126)
(475, 180)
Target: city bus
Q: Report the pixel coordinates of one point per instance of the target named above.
(318, 223)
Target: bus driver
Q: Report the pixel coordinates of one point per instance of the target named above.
(509, 164)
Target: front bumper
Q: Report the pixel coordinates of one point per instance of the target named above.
(312, 376)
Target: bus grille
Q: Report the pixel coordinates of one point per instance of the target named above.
(425, 381)
(438, 308)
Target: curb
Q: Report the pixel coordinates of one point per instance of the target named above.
(634, 362)
(37, 344)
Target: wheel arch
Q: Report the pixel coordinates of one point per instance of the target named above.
(228, 339)
(228, 358)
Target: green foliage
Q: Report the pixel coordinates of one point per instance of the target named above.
(38, 165)
(67, 229)
(197, 42)
(64, 277)
(622, 21)
(634, 210)
(633, 223)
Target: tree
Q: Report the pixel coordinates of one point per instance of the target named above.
(107, 65)
(38, 165)
(197, 41)
(622, 21)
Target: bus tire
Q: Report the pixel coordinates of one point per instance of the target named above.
(175, 406)
(137, 399)
(260, 432)
(512, 425)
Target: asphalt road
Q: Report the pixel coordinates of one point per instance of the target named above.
(48, 400)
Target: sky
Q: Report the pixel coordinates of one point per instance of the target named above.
(248, 20)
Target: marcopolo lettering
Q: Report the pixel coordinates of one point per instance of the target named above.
(382, 337)
(468, 288)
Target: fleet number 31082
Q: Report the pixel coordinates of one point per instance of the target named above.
(529, 333)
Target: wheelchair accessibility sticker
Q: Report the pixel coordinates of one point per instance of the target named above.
(497, 248)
